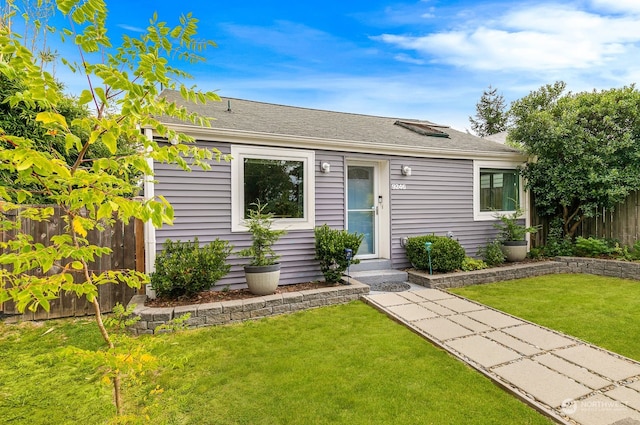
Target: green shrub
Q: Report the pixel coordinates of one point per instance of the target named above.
(536, 253)
(330, 246)
(635, 250)
(492, 253)
(185, 268)
(446, 254)
(557, 243)
(469, 264)
(591, 247)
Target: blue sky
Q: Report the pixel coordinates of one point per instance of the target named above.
(428, 59)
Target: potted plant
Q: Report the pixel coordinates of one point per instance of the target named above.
(263, 272)
(512, 235)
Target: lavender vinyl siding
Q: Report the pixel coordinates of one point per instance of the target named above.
(202, 204)
(438, 198)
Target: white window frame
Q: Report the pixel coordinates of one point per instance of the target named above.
(504, 165)
(239, 153)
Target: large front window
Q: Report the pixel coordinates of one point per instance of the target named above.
(276, 183)
(281, 179)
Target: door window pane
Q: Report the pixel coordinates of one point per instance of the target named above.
(363, 222)
(360, 187)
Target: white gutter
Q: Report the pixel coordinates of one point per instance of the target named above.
(149, 229)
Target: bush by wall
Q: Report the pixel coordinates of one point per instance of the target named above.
(330, 246)
(185, 268)
(446, 254)
(492, 253)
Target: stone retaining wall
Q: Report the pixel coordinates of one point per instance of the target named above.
(224, 312)
(622, 269)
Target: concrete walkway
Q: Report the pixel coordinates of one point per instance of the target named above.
(567, 379)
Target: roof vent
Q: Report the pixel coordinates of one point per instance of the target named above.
(423, 129)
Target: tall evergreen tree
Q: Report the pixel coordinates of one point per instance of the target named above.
(491, 117)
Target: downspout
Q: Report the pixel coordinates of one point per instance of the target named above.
(527, 218)
(149, 229)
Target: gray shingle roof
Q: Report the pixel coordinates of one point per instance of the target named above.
(259, 117)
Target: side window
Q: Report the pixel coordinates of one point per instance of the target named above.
(497, 188)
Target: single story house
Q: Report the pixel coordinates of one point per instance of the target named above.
(387, 178)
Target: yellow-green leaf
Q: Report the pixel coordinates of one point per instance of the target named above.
(85, 97)
(109, 140)
(78, 227)
(49, 117)
(70, 140)
(77, 265)
(104, 211)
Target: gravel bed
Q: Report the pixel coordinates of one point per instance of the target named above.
(390, 287)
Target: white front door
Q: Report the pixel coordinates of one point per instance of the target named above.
(362, 205)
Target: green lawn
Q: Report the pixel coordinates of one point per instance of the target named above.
(604, 311)
(337, 365)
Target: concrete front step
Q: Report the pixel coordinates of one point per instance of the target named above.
(371, 277)
(367, 265)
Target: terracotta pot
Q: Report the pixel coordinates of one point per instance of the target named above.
(262, 280)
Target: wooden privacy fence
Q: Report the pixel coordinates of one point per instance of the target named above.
(622, 223)
(126, 240)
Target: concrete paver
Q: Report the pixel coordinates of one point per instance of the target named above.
(513, 343)
(437, 308)
(625, 395)
(578, 373)
(570, 380)
(600, 410)
(442, 329)
(432, 294)
(545, 384)
(494, 319)
(459, 305)
(469, 323)
(482, 350)
(539, 337)
(412, 312)
(389, 299)
(411, 296)
(600, 362)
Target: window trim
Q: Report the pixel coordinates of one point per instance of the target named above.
(240, 152)
(504, 165)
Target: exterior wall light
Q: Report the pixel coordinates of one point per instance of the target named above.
(406, 170)
(325, 167)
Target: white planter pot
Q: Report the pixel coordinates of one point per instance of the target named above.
(514, 250)
(262, 280)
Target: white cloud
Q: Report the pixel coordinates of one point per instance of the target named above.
(400, 95)
(623, 6)
(408, 59)
(131, 28)
(547, 37)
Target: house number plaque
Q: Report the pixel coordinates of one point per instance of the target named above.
(397, 186)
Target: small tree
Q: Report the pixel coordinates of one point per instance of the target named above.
(123, 90)
(263, 237)
(585, 149)
(491, 116)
